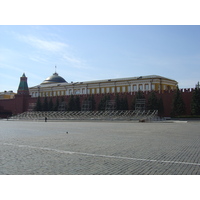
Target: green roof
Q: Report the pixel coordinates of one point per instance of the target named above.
(23, 86)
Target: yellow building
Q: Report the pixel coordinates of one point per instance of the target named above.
(55, 85)
(7, 95)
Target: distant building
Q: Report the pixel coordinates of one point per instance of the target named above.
(7, 95)
(55, 85)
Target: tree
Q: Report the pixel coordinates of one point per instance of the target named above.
(74, 103)
(71, 103)
(56, 105)
(160, 107)
(121, 103)
(178, 104)
(102, 104)
(77, 106)
(51, 106)
(89, 103)
(38, 106)
(91, 98)
(118, 102)
(124, 103)
(139, 96)
(153, 102)
(195, 104)
(45, 105)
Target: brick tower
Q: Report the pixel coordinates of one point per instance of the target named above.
(23, 86)
(22, 97)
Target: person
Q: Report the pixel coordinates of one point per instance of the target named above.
(45, 119)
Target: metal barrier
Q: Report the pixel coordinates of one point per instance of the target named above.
(88, 115)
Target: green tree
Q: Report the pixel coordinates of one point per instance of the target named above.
(124, 103)
(139, 95)
(195, 104)
(117, 101)
(153, 103)
(71, 103)
(77, 106)
(102, 103)
(121, 103)
(178, 104)
(57, 104)
(45, 105)
(160, 107)
(38, 106)
(51, 106)
(91, 98)
(74, 103)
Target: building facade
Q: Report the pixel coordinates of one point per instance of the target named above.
(55, 85)
(7, 95)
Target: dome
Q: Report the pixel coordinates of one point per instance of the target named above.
(54, 79)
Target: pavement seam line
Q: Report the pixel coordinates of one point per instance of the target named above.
(98, 155)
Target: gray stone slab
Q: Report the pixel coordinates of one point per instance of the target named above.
(99, 148)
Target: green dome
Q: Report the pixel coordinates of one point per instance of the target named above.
(54, 79)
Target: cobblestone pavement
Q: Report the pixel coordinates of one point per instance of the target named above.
(99, 148)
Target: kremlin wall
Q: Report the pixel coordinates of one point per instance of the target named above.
(59, 90)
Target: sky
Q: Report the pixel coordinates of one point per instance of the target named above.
(96, 52)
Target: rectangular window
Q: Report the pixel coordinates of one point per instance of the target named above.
(134, 87)
(75, 91)
(107, 90)
(83, 91)
(118, 89)
(123, 89)
(93, 91)
(141, 87)
(97, 90)
(146, 86)
(102, 90)
(153, 87)
(113, 90)
(129, 88)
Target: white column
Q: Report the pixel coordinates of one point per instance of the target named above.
(137, 86)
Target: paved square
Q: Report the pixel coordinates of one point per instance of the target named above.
(28, 147)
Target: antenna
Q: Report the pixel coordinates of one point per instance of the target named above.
(55, 68)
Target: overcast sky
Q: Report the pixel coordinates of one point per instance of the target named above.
(84, 53)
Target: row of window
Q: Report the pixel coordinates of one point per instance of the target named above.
(79, 91)
(141, 87)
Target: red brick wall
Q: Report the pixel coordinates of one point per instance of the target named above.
(21, 102)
